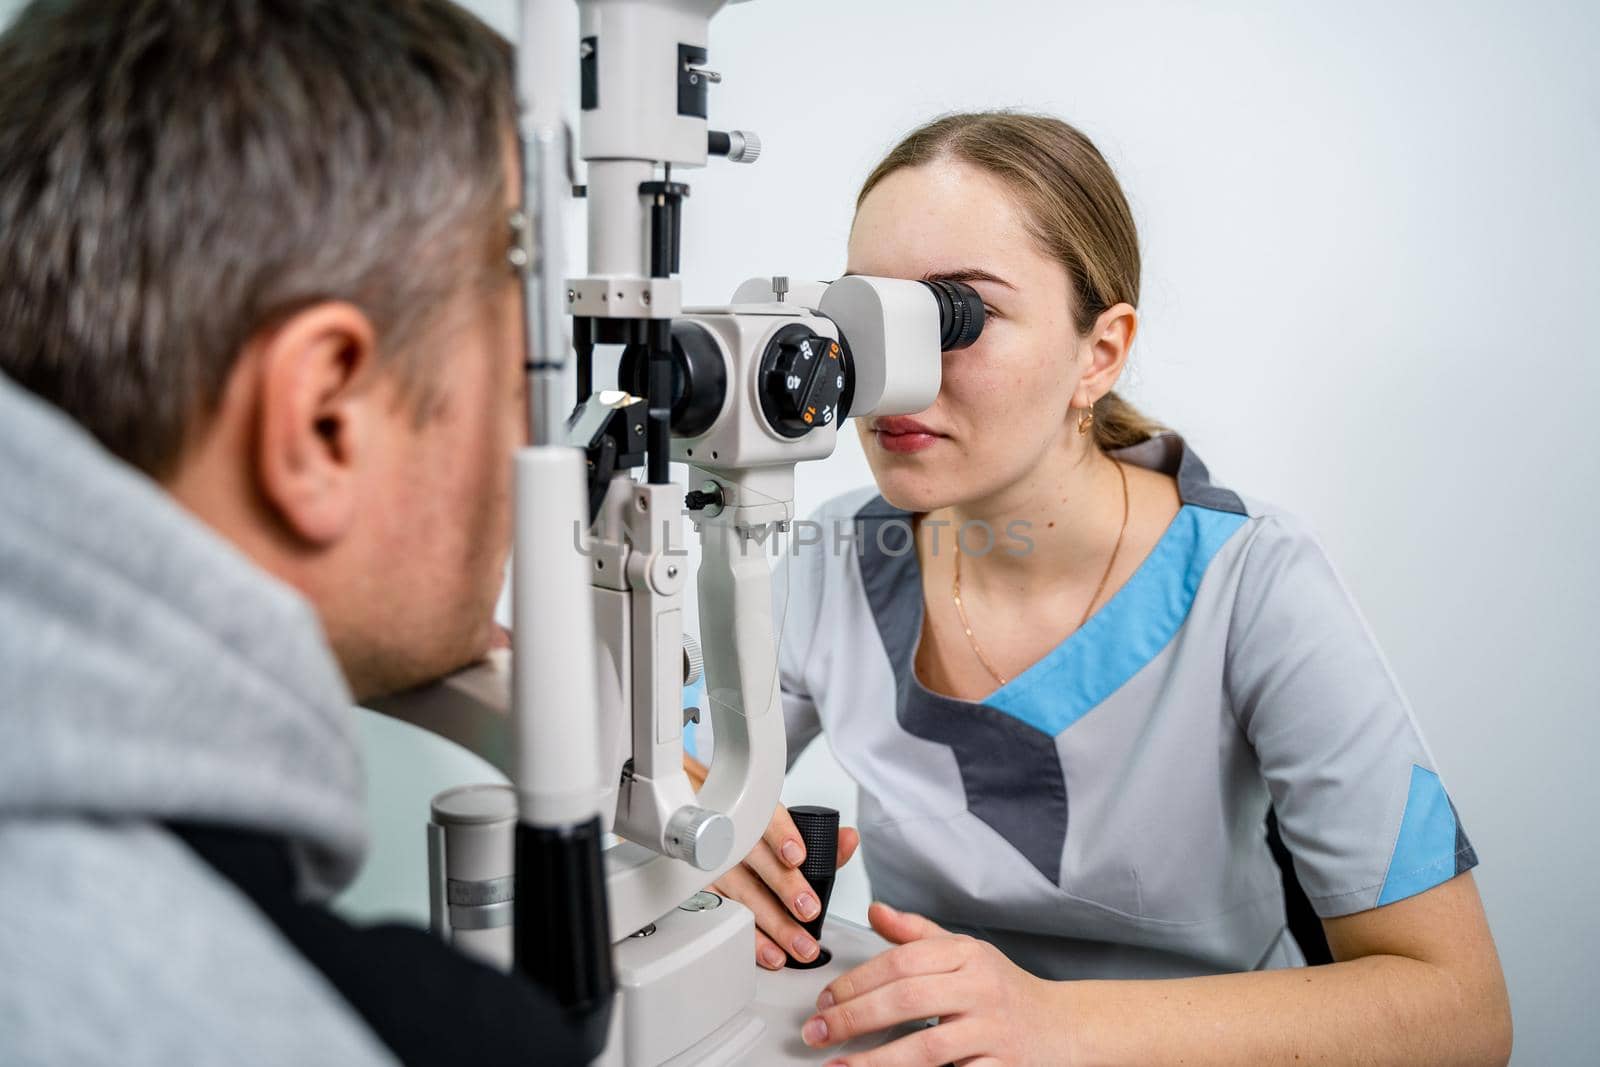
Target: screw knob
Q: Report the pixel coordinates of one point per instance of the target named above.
(694, 662)
(699, 836)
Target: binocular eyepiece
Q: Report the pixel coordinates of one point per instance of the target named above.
(960, 313)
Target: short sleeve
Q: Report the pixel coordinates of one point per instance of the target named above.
(1359, 801)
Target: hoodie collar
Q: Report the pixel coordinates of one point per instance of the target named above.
(151, 670)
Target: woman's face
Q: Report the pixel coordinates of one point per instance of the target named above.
(1003, 403)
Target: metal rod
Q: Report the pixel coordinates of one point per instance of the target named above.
(583, 345)
(546, 186)
(659, 430)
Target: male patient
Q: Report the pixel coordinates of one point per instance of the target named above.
(264, 360)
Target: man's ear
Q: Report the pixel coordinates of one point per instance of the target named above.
(1109, 343)
(320, 409)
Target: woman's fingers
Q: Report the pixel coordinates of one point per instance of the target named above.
(918, 959)
(849, 841)
(784, 839)
(788, 884)
(772, 917)
(777, 859)
(768, 954)
(902, 926)
(902, 1001)
(932, 1046)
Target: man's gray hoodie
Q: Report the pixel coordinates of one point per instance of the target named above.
(151, 675)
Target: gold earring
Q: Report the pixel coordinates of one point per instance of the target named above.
(1085, 420)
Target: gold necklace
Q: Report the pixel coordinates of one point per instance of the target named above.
(955, 589)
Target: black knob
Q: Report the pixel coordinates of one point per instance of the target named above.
(803, 375)
(699, 377)
(819, 830)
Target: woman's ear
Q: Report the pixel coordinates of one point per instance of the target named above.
(1106, 347)
(319, 412)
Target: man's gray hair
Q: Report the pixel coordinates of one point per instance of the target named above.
(176, 176)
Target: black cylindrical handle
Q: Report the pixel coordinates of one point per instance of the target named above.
(819, 830)
(562, 936)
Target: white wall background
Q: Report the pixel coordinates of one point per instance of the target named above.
(1372, 262)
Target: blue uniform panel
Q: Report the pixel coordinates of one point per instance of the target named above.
(1430, 847)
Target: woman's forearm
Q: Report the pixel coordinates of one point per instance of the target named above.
(696, 771)
(1381, 1009)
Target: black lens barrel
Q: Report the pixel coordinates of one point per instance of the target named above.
(960, 313)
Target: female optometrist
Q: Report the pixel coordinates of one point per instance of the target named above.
(1075, 679)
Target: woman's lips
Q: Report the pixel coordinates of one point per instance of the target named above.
(905, 442)
(903, 435)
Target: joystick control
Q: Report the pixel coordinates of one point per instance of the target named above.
(819, 829)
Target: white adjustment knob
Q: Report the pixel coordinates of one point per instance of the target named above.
(694, 663)
(699, 836)
(744, 146)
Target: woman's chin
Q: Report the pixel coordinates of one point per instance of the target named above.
(915, 491)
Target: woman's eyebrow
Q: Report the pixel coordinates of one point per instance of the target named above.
(961, 274)
(967, 274)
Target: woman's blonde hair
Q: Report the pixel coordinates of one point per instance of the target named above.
(1075, 208)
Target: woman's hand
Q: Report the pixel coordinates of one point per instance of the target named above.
(769, 883)
(992, 1013)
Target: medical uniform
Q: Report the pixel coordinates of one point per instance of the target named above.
(1102, 814)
